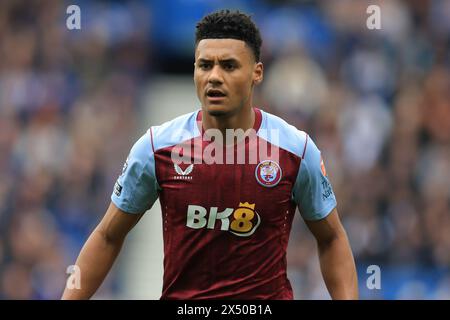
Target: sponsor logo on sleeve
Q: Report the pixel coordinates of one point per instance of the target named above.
(117, 189)
(124, 168)
(322, 167)
(327, 191)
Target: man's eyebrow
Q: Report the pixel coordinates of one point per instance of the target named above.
(233, 60)
(204, 60)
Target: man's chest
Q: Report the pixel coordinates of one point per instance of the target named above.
(234, 197)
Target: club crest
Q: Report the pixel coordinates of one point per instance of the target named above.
(268, 173)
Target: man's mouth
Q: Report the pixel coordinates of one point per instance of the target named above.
(215, 94)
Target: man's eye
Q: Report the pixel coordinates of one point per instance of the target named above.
(204, 66)
(229, 66)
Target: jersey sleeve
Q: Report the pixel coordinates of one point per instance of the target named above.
(313, 192)
(136, 189)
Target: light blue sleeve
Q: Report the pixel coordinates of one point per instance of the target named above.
(136, 189)
(313, 192)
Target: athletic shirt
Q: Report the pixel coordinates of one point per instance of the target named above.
(225, 226)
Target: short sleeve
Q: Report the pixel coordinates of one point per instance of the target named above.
(313, 192)
(136, 189)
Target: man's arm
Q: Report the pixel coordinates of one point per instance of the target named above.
(100, 251)
(335, 255)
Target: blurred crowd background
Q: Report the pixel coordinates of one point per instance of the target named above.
(376, 102)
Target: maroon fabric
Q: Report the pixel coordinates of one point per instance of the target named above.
(212, 263)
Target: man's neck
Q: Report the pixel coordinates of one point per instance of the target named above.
(244, 119)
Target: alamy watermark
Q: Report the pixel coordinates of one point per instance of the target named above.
(237, 147)
(374, 20)
(73, 21)
(374, 280)
(74, 280)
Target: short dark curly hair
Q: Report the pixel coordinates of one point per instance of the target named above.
(226, 24)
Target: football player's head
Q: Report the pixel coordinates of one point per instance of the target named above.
(227, 61)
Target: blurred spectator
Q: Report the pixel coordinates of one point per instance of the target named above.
(62, 95)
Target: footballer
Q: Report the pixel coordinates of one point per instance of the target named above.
(226, 223)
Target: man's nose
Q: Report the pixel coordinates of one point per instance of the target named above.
(215, 76)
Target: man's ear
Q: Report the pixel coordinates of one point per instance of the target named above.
(258, 73)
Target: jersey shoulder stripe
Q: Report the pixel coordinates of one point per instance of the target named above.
(280, 133)
(175, 131)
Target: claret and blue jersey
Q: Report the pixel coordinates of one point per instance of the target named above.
(225, 226)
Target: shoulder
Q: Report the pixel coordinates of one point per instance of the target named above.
(175, 131)
(279, 132)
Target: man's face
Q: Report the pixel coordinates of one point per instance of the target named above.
(224, 75)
